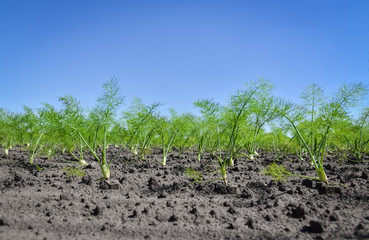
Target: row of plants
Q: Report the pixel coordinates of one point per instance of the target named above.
(252, 119)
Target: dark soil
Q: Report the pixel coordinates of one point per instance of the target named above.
(147, 201)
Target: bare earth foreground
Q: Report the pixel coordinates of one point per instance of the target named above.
(148, 201)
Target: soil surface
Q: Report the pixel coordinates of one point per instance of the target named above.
(147, 201)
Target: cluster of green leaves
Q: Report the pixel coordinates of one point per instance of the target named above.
(278, 172)
(356, 134)
(74, 172)
(194, 175)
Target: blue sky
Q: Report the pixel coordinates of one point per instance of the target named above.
(176, 52)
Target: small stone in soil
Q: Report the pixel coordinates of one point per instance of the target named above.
(2, 222)
(298, 212)
(316, 227)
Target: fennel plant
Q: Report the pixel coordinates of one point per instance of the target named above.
(104, 112)
(227, 121)
(359, 138)
(7, 132)
(167, 132)
(72, 115)
(337, 108)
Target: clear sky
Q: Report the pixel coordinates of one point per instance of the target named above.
(176, 52)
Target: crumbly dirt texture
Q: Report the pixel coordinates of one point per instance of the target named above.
(145, 200)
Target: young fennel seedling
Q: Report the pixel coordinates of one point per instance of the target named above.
(346, 96)
(104, 112)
